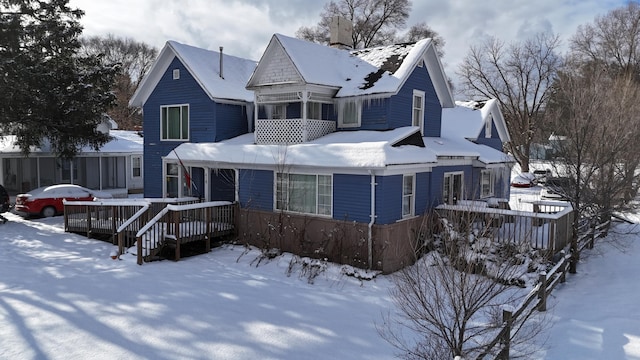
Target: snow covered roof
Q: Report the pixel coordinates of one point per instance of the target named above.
(457, 147)
(468, 119)
(123, 141)
(379, 70)
(204, 66)
(344, 149)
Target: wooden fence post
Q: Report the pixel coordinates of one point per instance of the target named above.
(542, 292)
(506, 334)
(563, 268)
(139, 248)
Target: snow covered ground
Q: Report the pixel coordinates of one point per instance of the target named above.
(63, 297)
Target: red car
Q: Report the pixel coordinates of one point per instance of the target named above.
(47, 201)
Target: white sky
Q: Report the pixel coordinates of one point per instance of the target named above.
(244, 27)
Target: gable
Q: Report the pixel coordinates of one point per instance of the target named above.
(275, 68)
(222, 77)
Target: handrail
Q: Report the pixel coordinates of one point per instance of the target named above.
(135, 217)
(172, 207)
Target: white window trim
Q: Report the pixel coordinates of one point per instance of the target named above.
(491, 183)
(487, 126)
(451, 174)
(275, 194)
(341, 108)
(412, 204)
(176, 74)
(421, 94)
(133, 166)
(188, 121)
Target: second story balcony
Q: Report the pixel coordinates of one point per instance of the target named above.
(291, 131)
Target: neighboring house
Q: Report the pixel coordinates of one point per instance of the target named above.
(190, 95)
(116, 167)
(343, 156)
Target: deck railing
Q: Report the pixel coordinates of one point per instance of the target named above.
(177, 225)
(106, 217)
(550, 228)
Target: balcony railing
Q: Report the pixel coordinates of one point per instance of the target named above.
(291, 131)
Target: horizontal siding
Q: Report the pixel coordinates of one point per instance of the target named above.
(422, 202)
(375, 115)
(231, 121)
(401, 104)
(256, 189)
(437, 178)
(222, 185)
(388, 199)
(203, 113)
(352, 197)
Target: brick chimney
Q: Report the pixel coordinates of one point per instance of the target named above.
(340, 33)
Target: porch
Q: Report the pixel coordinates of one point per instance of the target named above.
(157, 228)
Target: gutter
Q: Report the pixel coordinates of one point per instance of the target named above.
(373, 219)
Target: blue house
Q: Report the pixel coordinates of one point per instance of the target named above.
(331, 153)
(190, 95)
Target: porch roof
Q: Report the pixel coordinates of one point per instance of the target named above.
(344, 149)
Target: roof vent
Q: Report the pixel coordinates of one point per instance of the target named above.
(341, 30)
(221, 73)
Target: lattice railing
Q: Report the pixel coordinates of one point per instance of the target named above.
(291, 131)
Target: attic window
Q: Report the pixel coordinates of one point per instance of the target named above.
(420, 63)
(487, 126)
(176, 74)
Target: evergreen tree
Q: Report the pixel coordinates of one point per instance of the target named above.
(48, 92)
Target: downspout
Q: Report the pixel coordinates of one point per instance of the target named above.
(373, 219)
(237, 185)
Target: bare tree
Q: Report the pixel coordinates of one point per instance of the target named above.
(597, 114)
(451, 300)
(136, 58)
(518, 76)
(375, 22)
(613, 39)
(422, 31)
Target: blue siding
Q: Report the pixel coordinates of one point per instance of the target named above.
(437, 179)
(422, 193)
(223, 185)
(493, 141)
(401, 104)
(388, 199)
(203, 116)
(231, 121)
(256, 189)
(352, 197)
(197, 180)
(375, 115)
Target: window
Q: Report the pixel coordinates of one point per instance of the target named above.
(487, 127)
(452, 187)
(174, 122)
(417, 117)
(136, 166)
(349, 115)
(176, 74)
(172, 180)
(487, 181)
(408, 188)
(314, 110)
(310, 194)
(279, 111)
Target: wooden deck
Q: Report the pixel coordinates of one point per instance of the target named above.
(157, 228)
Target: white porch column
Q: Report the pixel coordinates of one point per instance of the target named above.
(207, 187)
(305, 131)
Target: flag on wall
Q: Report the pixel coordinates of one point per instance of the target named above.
(187, 176)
